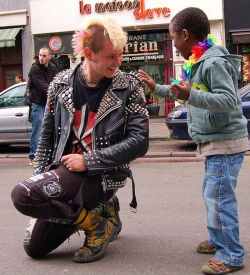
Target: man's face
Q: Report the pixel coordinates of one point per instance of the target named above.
(44, 57)
(106, 62)
(180, 42)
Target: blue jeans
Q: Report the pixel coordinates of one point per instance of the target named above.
(37, 113)
(221, 172)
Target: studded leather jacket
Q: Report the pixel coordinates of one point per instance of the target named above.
(120, 132)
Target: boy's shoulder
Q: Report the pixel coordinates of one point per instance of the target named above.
(219, 55)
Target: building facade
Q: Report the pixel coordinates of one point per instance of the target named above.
(237, 33)
(149, 45)
(15, 43)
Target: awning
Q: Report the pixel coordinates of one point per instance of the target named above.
(241, 37)
(8, 37)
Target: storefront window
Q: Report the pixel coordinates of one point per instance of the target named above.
(152, 53)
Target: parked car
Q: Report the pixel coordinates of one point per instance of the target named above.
(176, 120)
(15, 127)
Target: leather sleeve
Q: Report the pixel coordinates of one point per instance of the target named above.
(45, 146)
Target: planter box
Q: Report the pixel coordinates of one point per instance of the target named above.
(153, 110)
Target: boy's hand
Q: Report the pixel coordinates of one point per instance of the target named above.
(74, 162)
(147, 79)
(181, 91)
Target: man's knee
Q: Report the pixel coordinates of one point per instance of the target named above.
(41, 237)
(19, 196)
(33, 251)
(30, 244)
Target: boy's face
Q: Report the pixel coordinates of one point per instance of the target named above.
(181, 41)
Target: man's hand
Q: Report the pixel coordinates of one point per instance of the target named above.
(74, 162)
(148, 80)
(181, 91)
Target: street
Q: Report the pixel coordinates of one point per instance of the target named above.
(159, 239)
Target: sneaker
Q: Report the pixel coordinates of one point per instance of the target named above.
(214, 266)
(31, 162)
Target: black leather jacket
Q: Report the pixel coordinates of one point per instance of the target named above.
(120, 133)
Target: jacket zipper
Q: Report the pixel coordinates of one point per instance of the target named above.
(100, 118)
(118, 123)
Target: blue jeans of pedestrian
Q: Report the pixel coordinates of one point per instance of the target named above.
(221, 172)
(37, 113)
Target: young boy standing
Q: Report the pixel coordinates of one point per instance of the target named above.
(216, 124)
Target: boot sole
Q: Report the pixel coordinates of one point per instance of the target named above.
(96, 257)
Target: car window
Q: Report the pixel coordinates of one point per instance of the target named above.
(13, 98)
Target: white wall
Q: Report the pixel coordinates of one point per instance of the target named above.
(64, 15)
(13, 18)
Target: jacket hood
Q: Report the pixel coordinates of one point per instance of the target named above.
(220, 51)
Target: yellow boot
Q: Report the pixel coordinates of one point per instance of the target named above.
(98, 231)
(113, 208)
(111, 211)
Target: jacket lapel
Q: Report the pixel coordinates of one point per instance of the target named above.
(110, 101)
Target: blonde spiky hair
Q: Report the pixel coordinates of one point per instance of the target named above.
(96, 31)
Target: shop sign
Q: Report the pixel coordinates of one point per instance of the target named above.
(55, 43)
(144, 47)
(58, 44)
(143, 13)
(138, 7)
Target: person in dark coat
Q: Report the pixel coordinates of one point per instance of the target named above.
(41, 74)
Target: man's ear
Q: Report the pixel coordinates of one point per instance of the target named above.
(185, 34)
(87, 53)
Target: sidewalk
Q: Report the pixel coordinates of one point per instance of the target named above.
(158, 129)
(161, 145)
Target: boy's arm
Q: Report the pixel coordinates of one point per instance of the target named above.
(164, 91)
(160, 90)
(221, 97)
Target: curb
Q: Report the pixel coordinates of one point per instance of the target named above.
(158, 138)
(169, 154)
(14, 156)
(149, 155)
(176, 154)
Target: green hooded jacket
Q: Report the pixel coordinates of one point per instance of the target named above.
(214, 104)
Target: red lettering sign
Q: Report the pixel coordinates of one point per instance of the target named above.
(84, 8)
(137, 5)
(149, 13)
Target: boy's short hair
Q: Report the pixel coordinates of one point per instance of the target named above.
(194, 20)
(95, 33)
